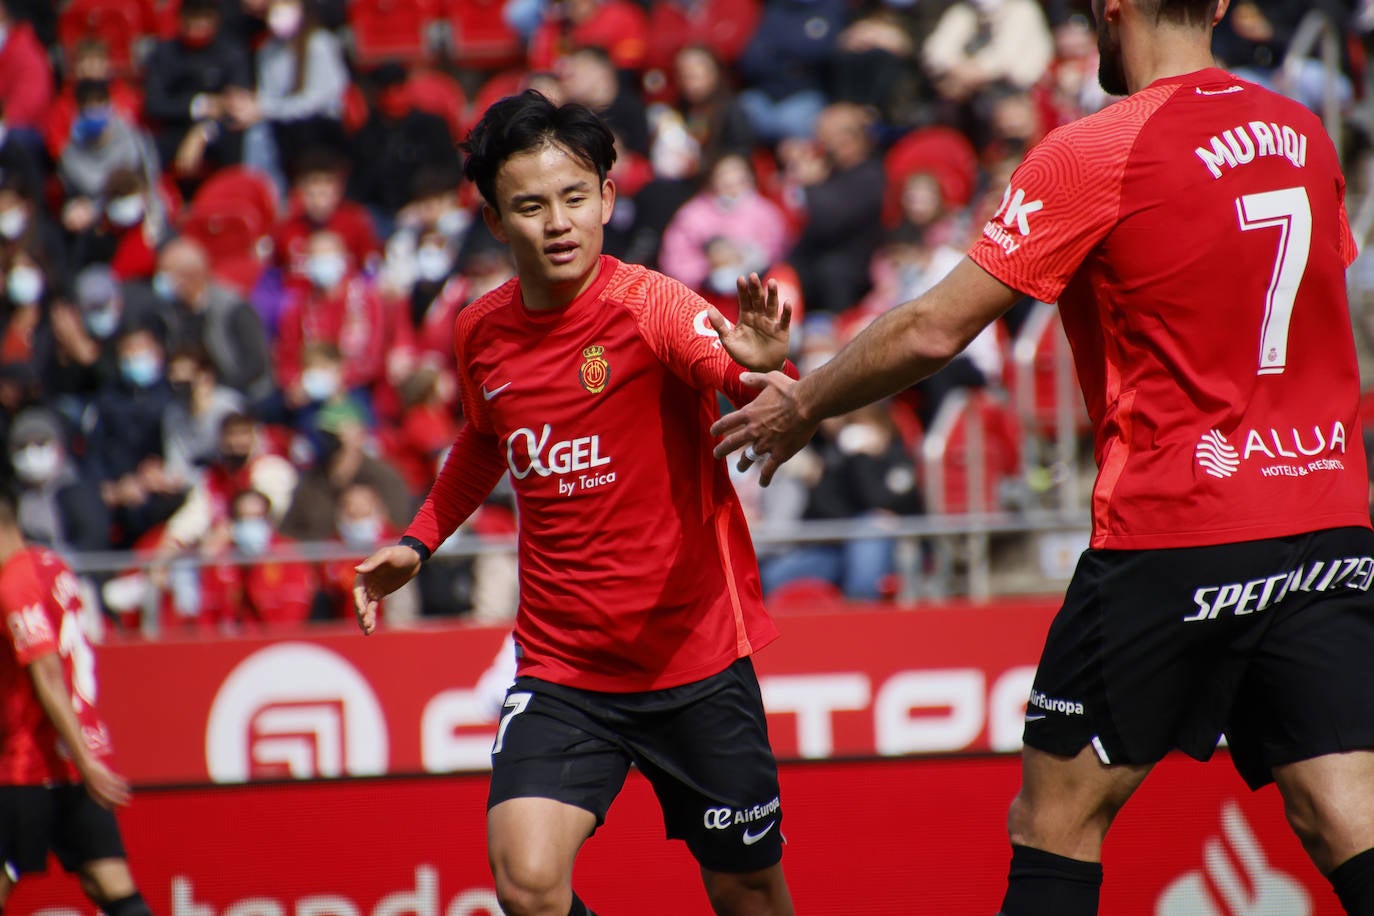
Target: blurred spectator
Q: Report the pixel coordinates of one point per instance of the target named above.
(434, 305)
(341, 307)
(186, 83)
(242, 461)
(875, 64)
(128, 415)
(19, 388)
(859, 469)
(709, 110)
(432, 211)
(1070, 89)
(203, 313)
(76, 357)
(843, 199)
(57, 506)
(589, 77)
(90, 60)
(427, 428)
(101, 141)
(728, 207)
(396, 142)
(276, 592)
(26, 83)
(980, 42)
(362, 526)
(25, 299)
(317, 203)
(125, 232)
(925, 210)
(343, 461)
(41, 14)
(721, 28)
(19, 158)
(301, 81)
(25, 224)
(200, 405)
(619, 27)
(786, 65)
(1252, 41)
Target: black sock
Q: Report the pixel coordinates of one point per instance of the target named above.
(132, 905)
(578, 908)
(1353, 881)
(1043, 884)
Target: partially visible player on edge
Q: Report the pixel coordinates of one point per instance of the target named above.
(594, 383)
(1195, 238)
(56, 790)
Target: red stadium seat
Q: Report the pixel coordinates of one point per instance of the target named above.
(508, 82)
(479, 36)
(233, 233)
(117, 23)
(239, 185)
(440, 94)
(1040, 377)
(803, 596)
(972, 446)
(391, 30)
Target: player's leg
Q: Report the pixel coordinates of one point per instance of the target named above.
(555, 771)
(27, 816)
(1329, 801)
(87, 842)
(704, 748)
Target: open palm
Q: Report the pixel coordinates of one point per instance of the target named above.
(758, 341)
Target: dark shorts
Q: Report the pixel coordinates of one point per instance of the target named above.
(703, 746)
(63, 819)
(1267, 642)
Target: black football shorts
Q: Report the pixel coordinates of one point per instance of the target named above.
(1267, 642)
(703, 746)
(64, 819)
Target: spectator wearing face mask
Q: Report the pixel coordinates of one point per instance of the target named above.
(203, 313)
(435, 304)
(126, 233)
(362, 526)
(432, 212)
(24, 224)
(57, 506)
(341, 307)
(396, 142)
(101, 142)
(277, 591)
(428, 427)
(128, 416)
(317, 203)
(76, 356)
(26, 80)
(24, 307)
(90, 60)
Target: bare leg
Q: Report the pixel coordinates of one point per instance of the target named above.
(532, 843)
(1066, 804)
(757, 893)
(1329, 801)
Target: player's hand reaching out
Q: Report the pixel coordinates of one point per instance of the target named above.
(378, 576)
(770, 429)
(758, 341)
(107, 787)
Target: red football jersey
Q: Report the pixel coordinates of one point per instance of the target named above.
(1196, 240)
(41, 603)
(637, 571)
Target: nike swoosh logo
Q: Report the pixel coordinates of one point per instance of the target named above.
(1035, 718)
(751, 838)
(488, 395)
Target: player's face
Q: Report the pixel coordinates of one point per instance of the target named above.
(553, 214)
(1111, 66)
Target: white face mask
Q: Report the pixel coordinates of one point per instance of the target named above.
(125, 211)
(13, 222)
(360, 533)
(722, 279)
(103, 322)
(37, 463)
(24, 285)
(326, 270)
(320, 384)
(453, 222)
(284, 19)
(433, 263)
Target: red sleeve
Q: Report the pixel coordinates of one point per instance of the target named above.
(29, 97)
(473, 466)
(1063, 200)
(27, 625)
(673, 321)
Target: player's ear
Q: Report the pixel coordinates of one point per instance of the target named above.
(607, 200)
(1222, 7)
(493, 221)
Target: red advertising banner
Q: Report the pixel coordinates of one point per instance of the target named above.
(852, 683)
(875, 838)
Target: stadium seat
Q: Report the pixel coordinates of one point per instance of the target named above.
(972, 446)
(478, 35)
(1040, 377)
(384, 30)
(803, 595)
(440, 94)
(118, 23)
(233, 235)
(507, 82)
(239, 185)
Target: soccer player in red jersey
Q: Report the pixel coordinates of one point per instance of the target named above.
(1195, 238)
(56, 789)
(593, 383)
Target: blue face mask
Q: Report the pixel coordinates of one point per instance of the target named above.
(90, 124)
(102, 322)
(142, 370)
(252, 536)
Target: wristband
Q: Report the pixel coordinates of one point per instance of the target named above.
(416, 545)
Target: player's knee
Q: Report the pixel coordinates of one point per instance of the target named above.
(532, 886)
(1330, 827)
(1065, 823)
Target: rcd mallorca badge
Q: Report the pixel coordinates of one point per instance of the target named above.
(595, 371)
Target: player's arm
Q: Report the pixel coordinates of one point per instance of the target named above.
(472, 469)
(105, 786)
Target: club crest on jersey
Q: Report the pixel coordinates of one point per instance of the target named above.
(595, 371)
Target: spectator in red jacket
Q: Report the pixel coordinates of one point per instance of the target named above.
(317, 203)
(428, 427)
(362, 526)
(26, 83)
(275, 592)
(618, 26)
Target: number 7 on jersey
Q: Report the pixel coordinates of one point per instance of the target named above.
(1290, 212)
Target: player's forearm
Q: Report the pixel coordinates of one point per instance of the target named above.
(473, 467)
(51, 691)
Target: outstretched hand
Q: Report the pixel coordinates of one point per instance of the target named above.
(758, 341)
(378, 576)
(108, 788)
(770, 429)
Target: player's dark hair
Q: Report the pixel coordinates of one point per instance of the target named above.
(529, 121)
(1183, 12)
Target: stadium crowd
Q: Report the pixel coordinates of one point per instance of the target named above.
(234, 239)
